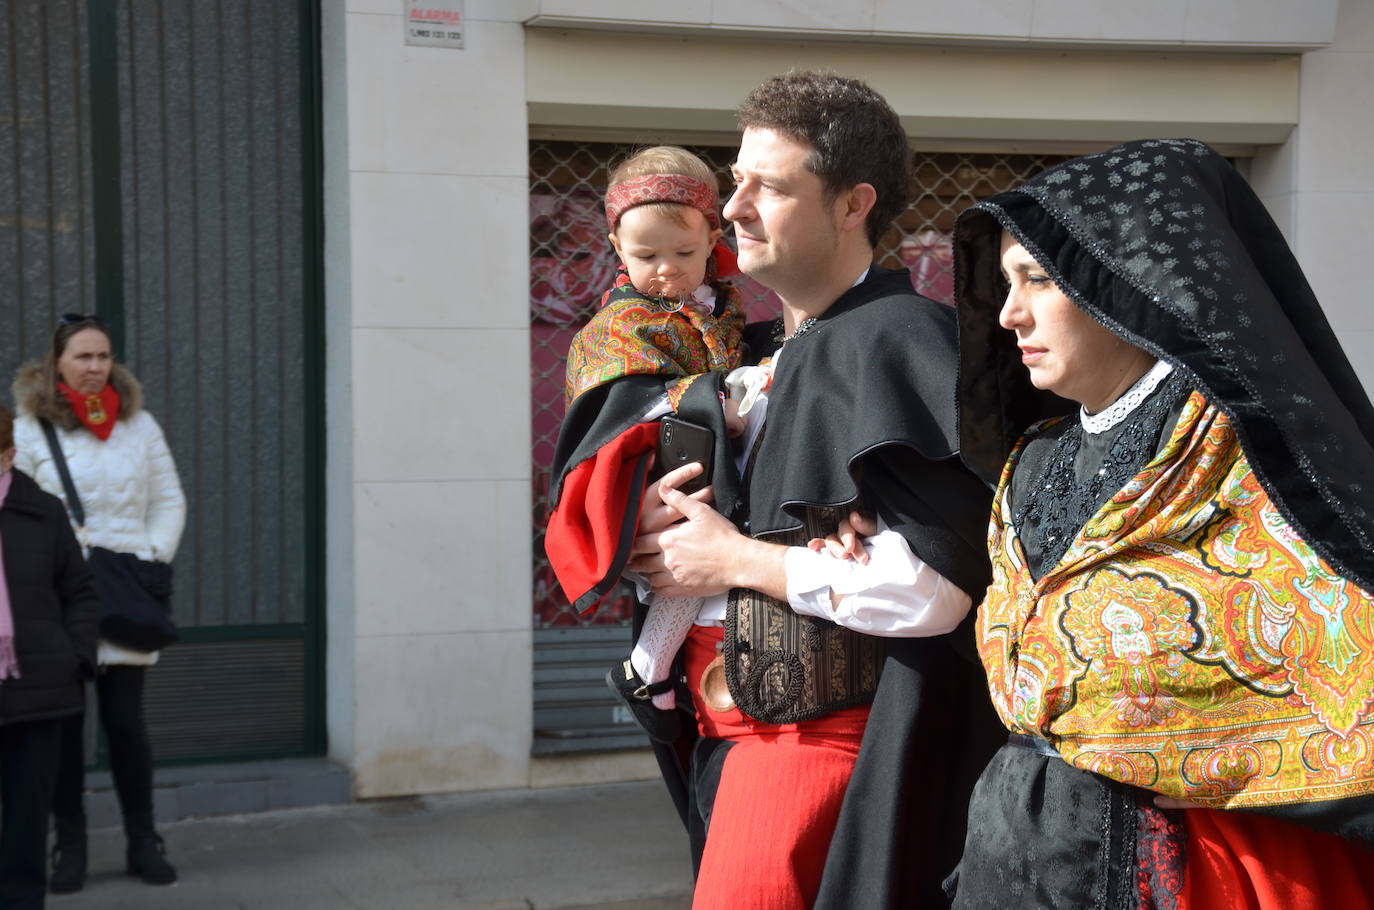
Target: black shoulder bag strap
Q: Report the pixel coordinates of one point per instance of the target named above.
(73, 501)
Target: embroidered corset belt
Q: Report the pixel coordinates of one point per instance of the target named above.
(782, 667)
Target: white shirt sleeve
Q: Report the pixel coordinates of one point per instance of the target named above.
(895, 594)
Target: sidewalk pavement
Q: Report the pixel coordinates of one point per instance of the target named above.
(616, 846)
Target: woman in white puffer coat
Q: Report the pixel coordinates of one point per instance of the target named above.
(127, 483)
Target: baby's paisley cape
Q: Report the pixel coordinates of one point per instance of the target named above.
(635, 335)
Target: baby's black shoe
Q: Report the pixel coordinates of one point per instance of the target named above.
(663, 726)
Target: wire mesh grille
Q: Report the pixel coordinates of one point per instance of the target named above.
(571, 264)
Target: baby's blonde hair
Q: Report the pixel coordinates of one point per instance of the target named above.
(666, 159)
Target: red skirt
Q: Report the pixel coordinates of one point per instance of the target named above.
(1243, 861)
(778, 801)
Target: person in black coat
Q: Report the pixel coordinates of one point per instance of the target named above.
(48, 617)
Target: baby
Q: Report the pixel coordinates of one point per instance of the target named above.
(668, 317)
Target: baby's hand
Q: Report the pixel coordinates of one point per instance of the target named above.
(847, 541)
(734, 424)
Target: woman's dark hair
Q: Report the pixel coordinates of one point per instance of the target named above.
(854, 134)
(6, 429)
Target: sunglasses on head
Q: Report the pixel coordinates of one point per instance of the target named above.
(80, 319)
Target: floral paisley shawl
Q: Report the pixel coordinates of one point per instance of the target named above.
(637, 335)
(1189, 642)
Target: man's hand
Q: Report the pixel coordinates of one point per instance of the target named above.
(697, 552)
(706, 554)
(685, 548)
(646, 553)
(654, 515)
(848, 540)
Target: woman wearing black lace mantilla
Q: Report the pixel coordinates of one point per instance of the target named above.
(1179, 630)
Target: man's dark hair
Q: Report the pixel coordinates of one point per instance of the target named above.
(854, 134)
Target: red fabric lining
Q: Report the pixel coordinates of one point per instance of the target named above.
(727, 263)
(1244, 861)
(587, 529)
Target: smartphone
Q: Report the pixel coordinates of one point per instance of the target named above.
(680, 443)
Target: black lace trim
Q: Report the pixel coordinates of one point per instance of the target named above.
(1116, 850)
(1061, 505)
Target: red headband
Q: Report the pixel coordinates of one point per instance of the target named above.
(661, 188)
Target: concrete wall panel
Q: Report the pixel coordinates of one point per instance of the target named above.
(941, 93)
(440, 713)
(1161, 21)
(430, 110)
(990, 19)
(441, 251)
(1278, 25)
(416, 539)
(429, 453)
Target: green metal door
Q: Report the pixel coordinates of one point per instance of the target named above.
(159, 165)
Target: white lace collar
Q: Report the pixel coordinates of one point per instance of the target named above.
(1116, 412)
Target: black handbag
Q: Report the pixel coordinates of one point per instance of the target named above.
(135, 594)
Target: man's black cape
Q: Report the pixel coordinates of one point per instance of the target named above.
(862, 409)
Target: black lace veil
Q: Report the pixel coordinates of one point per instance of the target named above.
(1164, 243)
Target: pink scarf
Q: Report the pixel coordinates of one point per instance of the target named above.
(9, 662)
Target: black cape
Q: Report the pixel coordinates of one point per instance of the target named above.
(862, 407)
(601, 414)
(596, 419)
(866, 397)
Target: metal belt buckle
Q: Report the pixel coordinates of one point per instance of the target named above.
(715, 692)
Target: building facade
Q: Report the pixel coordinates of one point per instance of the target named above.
(375, 287)
(432, 183)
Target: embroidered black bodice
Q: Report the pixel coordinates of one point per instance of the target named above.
(1066, 474)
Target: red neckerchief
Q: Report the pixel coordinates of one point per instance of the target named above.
(97, 413)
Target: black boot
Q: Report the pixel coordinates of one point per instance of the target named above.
(664, 726)
(146, 855)
(69, 856)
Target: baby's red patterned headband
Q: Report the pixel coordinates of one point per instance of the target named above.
(661, 188)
